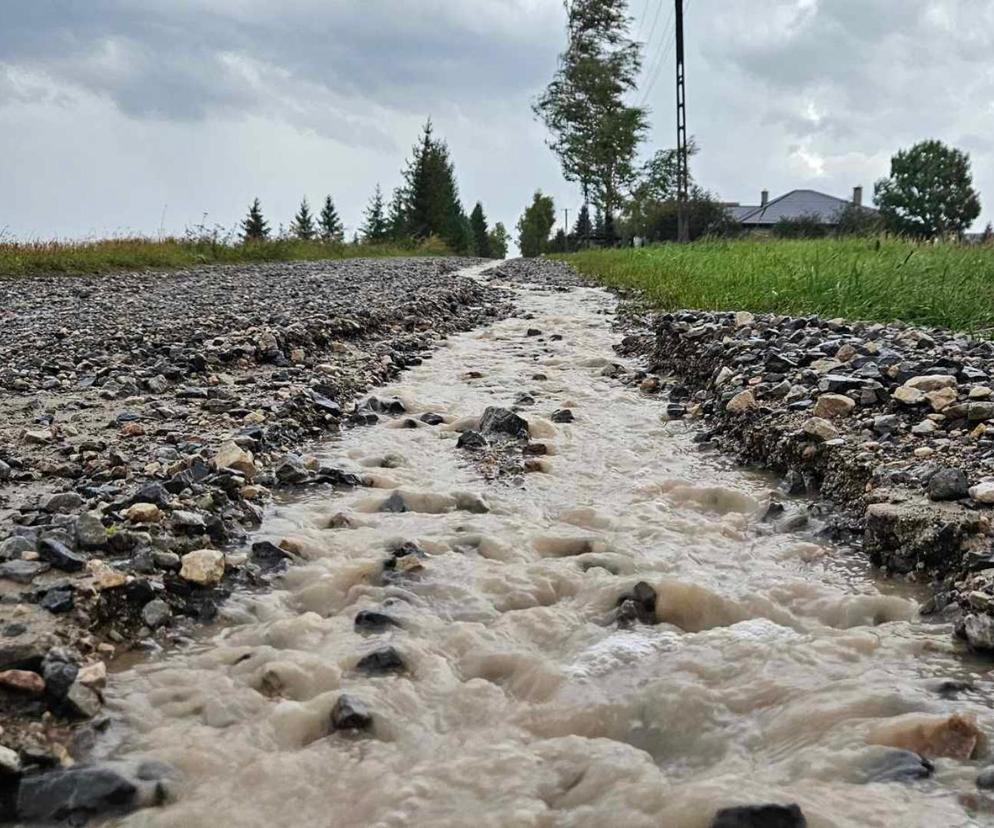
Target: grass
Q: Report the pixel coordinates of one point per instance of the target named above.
(18, 259)
(882, 280)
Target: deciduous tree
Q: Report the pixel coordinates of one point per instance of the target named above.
(535, 224)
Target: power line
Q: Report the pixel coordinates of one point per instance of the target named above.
(666, 44)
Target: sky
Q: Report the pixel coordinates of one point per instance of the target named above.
(154, 116)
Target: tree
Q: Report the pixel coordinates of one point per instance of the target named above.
(330, 224)
(397, 216)
(303, 223)
(481, 237)
(594, 133)
(374, 228)
(583, 229)
(854, 220)
(929, 192)
(254, 226)
(498, 241)
(430, 196)
(535, 224)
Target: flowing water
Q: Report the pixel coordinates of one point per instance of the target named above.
(775, 660)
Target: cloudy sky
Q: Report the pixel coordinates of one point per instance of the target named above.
(139, 115)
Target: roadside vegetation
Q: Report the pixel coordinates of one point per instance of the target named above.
(879, 279)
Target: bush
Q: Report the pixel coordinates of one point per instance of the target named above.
(857, 221)
(802, 227)
(658, 221)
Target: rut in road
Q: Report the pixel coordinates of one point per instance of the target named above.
(503, 691)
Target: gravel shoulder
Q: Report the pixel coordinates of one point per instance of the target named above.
(146, 420)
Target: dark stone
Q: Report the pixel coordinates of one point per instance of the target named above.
(533, 332)
(760, 816)
(985, 779)
(59, 673)
(373, 621)
(151, 493)
(60, 556)
(948, 484)
(563, 415)
(350, 714)
(395, 504)
(899, 766)
(268, 556)
(324, 404)
(291, 469)
(432, 419)
(639, 605)
(22, 572)
(386, 660)
(471, 440)
(393, 406)
(502, 421)
(73, 795)
(58, 600)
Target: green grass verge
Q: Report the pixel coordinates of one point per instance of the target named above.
(882, 280)
(18, 259)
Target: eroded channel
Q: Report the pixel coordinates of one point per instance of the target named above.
(505, 692)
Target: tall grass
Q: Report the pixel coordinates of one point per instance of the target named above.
(882, 279)
(18, 259)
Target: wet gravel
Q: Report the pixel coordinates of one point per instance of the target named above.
(145, 421)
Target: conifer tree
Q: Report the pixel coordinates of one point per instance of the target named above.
(302, 226)
(374, 228)
(481, 238)
(499, 238)
(254, 226)
(329, 223)
(584, 228)
(397, 215)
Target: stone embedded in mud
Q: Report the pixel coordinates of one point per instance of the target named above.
(60, 556)
(350, 714)
(983, 492)
(373, 621)
(23, 681)
(385, 660)
(204, 567)
(22, 572)
(232, 456)
(73, 795)
(741, 402)
(760, 816)
(502, 421)
(143, 513)
(820, 428)
(948, 484)
(830, 406)
(471, 439)
(953, 737)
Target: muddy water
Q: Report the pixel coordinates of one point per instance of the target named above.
(774, 661)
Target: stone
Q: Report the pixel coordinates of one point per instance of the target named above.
(83, 701)
(268, 556)
(90, 531)
(933, 737)
(73, 796)
(563, 415)
(104, 577)
(10, 762)
(724, 377)
(22, 572)
(948, 484)
(925, 427)
(432, 419)
(985, 779)
(23, 681)
(983, 492)
(373, 621)
(979, 632)
(931, 382)
(291, 469)
(501, 421)
(743, 319)
(59, 672)
(830, 406)
(941, 399)
(61, 556)
(39, 437)
(62, 502)
(189, 522)
(886, 424)
(820, 428)
(385, 660)
(350, 714)
(15, 547)
(5, 471)
(980, 392)
(741, 402)
(471, 439)
(58, 601)
(204, 567)
(93, 675)
(898, 766)
(232, 456)
(143, 513)
(760, 816)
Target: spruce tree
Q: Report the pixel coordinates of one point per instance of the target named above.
(584, 228)
(254, 226)
(481, 238)
(303, 223)
(330, 224)
(498, 241)
(374, 228)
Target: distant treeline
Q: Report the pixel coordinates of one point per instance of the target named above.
(425, 207)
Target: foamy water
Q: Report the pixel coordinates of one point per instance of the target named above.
(774, 661)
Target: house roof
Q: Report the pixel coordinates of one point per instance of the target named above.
(793, 205)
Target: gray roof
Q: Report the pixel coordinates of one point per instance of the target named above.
(793, 205)
(740, 211)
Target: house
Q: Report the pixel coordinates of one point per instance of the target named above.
(794, 205)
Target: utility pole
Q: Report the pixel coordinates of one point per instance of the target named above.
(566, 226)
(683, 171)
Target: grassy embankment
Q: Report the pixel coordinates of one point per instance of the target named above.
(56, 257)
(948, 286)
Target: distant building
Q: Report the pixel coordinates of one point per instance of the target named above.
(794, 205)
